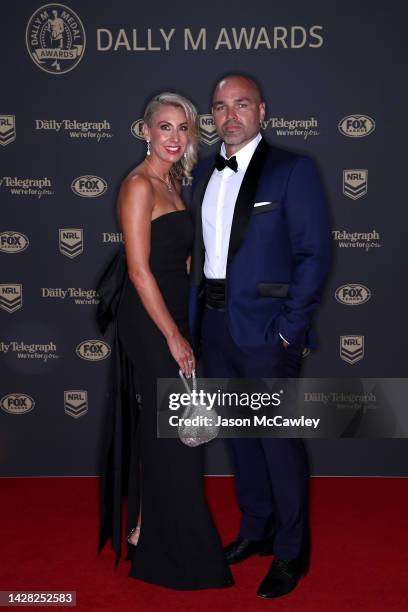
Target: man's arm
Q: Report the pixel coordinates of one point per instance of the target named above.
(309, 233)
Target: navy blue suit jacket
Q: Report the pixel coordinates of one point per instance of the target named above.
(279, 252)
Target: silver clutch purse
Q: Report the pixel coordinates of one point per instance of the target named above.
(198, 422)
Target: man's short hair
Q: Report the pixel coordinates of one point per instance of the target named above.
(246, 77)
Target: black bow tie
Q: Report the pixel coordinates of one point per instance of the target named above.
(221, 163)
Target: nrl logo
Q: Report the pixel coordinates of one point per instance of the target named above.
(136, 129)
(7, 129)
(11, 297)
(355, 183)
(208, 132)
(71, 243)
(351, 348)
(75, 403)
(17, 403)
(55, 38)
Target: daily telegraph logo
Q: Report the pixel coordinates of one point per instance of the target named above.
(292, 127)
(7, 129)
(93, 350)
(356, 126)
(352, 348)
(78, 295)
(115, 237)
(89, 186)
(208, 133)
(37, 187)
(136, 129)
(55, 38)
(11, 297)
(17, 403)
(353, 294)
(13, 242)
(76, 403)
(71, 242)
(88, 130)
(33, 351)
(355, 183)
(357, 240)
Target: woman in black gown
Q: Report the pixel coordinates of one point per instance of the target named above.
(173, 541)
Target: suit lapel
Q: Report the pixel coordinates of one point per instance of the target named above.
(245, 200)
(197, 266)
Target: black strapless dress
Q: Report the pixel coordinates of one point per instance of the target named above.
(178, 545)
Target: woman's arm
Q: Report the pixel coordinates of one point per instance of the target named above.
(135, 207)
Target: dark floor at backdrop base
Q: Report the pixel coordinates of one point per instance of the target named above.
(360, 554)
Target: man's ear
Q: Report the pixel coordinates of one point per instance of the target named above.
(262, 111)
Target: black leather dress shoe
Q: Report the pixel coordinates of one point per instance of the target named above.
(283, 576)
(242, 548)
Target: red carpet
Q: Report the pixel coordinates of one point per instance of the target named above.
(359, 562)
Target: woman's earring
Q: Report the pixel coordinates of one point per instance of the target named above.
(148, 147)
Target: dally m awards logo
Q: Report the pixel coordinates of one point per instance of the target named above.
(208, 133)
(13, 242)
(71, 242)
(356, 126)
(7, 129)
(93, 350)
(355, 183)
(17, 403)
(89, 186)
(11, 297)
(351, 348)
(352, 294)
(75, 403)
(55, 38)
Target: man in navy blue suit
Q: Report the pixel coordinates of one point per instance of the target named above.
(261, 257)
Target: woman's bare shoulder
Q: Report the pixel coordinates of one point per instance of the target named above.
(137, 183)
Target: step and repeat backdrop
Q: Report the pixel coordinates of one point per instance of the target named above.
(75, 81)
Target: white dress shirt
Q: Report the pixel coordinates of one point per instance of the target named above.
(218, 209)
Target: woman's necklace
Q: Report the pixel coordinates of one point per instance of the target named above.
(167, 181)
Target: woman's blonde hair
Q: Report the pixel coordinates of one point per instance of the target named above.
(187, 162)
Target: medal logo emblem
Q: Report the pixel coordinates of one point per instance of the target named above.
(55, 38)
